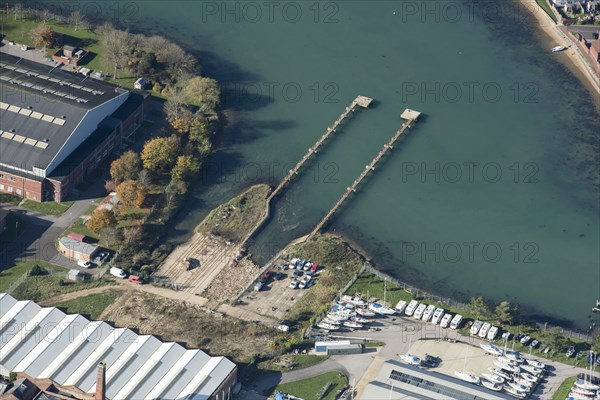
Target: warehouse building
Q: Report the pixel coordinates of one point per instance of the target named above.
(56, 127)
(50, 347)
(397, 381)
(77, 250)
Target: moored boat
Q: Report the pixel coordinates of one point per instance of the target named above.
(558, 49)
(500, 372)
(326, 326)
(531, 369)
(365, 312)
(535, 363)
(490, 348)
(583, 392)
(352, 324)
(514, 392)
(411, 359)
(583, 384)
(519, 387)
(528, 377)
(514, 356)
(507, 367)
(493, 378)
(491, 385)
(467, 377)
(379, 308)
(360, 320)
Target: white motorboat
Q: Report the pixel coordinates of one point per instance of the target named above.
(493, 378)
(491, 385)
(507, 360)
(342, 310)
(528, 377)
(330, 321)
(467, 377)
(490, 348)
(514, 356)
(583, 392)
(536, 364)
(411, 307)
(419, 311)
(365, 312)
(519, 387)
(532, 370)
(485, 328)
(492, 333)
(355, 301)
(573, 395)
(477, 324)
(411, 359)
(500, 372)
(513, 392)
(523, 382)
(437, 316)
(507, 367)
(446, 320)
(401, 306)
(360, 320)
(326, 326)
(337, 317)
(428, 313)
(583, 384)
(352, 324)
(456, 321)
(558, 49)
(379, 308)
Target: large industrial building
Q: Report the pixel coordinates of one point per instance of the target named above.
(57, 126)
(397, 381)
(70, 352)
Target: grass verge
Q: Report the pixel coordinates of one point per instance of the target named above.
(90, 306)
(546, 7)
(10, 275)
(44, 287)
(47, 207)
(308, 388)
(290, 362)
(563, 391)
(235, 219)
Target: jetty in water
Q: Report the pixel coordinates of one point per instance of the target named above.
(410, 116)
(360, 101)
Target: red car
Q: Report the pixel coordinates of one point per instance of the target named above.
(314, 268)
(135, 279)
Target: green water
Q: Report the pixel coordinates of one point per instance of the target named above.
(495, 101)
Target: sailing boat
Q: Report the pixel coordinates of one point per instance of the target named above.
(465, 375)
(380, 308)
(584, 383)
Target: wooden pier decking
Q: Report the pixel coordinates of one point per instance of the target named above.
(360, 101)
(410, 116)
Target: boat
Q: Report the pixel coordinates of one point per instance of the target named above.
(401, 306)
(491, 385)
(514, 356)
(419, 311)
(583, 392)
(411, 359)
(379, 308)
(583, 384)
(524, 382)
(456, 321)
(326, 326)
(484, 330)
(330, 321)
(360, 320)
(558, 49)
(428, 313)
(507, 360)
(337, 317)
(528, 377)
(490, 348)
(536, 364)
(446, 320)
(437, 316)
(500, 372)
(493, 378)
(342, 310)
(492, 333)
(365, 312)
(519, 387)
(411, 307)
(352, 324)
(476, 327)
(355, 301)
(514, 392)
(467, 377)
(507, 367)
(532, 370)
(577, 396)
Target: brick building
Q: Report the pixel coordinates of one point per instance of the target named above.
(57, 126)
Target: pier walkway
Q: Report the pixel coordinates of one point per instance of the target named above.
(410, 116)
(360, 101)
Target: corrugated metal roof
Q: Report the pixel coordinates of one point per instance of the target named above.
(47, 343)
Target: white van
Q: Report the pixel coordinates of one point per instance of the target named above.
(84, 264)
(118, 272)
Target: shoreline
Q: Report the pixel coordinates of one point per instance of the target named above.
(574, 59)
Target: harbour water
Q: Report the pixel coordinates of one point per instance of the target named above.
(494, 192)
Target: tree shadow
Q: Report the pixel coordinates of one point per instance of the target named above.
(81, 43)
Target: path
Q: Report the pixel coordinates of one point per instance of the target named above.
(81, 293)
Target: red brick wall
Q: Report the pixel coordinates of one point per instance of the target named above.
(22, 187)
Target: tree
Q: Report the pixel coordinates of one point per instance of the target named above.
(185, 168)
(198, 129)
(36, 270)
(160, 154)
(144, 177)
(596, 344)
(43, 35)
(77, 19)
(116, 45)
(111, 235)
(182, 122)
(478, 308)
(553, 339)
(101, 218)
(45, 16)
(110, 186)
(127, 167)
(131, 193)
(204, 92)
(504, 313)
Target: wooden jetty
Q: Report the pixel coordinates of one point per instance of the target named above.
(360, 101)
(410, 116)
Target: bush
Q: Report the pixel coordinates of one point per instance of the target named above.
(36, 270)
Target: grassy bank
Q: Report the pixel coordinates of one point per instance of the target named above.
(47, 207)
(563, 391)
(291, 362)
(90, 306)
(12, 274)
(546, 7)
(235, 219)
(309, 388)
(44, 287)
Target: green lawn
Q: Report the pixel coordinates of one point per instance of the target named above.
(10, 275)
(39, 288)
(6, 198)
(546, 7)
(373, 286)
(290, 362)
(91, 306)
(47, 207)
(564, 389)
(308, 388)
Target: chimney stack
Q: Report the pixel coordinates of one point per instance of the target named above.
(100, 381)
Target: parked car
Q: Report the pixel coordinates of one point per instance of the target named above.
(525, 339)
(294, 284)
(308, 265)
(135, 279)
(279, 276)
(259, 285)
(430, 361)
(314, 268)
(506, 335)
(534, 343)
(296, 274)
(570, 351)
(85, 264)
(118, 272)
